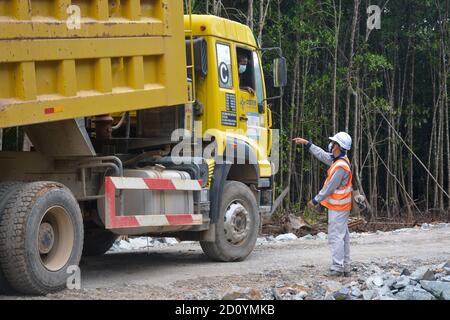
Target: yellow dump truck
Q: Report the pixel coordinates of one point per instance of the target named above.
(138, 119)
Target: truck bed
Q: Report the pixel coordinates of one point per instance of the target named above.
(126, 55)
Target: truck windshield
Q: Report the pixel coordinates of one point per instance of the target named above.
(258, 78)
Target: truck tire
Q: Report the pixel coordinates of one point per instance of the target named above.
(237, 227)
(6, 190)
(97, 242)
(48, 212)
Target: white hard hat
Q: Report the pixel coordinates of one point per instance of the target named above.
(343, 139)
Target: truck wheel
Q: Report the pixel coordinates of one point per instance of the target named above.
(97, 241)
(40, 236)
(238, 225)
(6, 190)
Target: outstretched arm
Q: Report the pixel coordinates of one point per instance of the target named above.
(316, 151)
(319, 153)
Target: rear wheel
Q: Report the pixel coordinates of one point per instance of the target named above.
(6, 190)
(40, 237)
(238, 225)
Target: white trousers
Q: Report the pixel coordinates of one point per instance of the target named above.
(339, 240)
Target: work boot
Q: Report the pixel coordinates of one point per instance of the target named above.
(335, 273)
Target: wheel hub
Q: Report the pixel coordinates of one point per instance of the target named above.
(46, 238)
(237, 223)
(55, 238)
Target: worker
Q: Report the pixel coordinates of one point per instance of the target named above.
(336, 196)
(244, 74)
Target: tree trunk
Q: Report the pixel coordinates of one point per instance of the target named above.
(250, 14)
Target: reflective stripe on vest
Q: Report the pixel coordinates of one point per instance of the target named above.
(341, 198)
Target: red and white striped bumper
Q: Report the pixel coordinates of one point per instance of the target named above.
(113, 221)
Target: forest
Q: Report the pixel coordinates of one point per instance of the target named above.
(385, 81)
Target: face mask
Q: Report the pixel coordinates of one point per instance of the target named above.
(242, 68)
(330, 147)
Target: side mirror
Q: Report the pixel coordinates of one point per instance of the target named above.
(279, 72)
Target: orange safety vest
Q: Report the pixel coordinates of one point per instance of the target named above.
(341, 198)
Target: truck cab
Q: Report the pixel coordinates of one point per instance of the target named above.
(230, 92)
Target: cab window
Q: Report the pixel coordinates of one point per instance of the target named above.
(246, 69)
(224, 65)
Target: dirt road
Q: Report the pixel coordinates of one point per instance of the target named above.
(182, 271)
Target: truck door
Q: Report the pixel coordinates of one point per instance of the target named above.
(249, 93)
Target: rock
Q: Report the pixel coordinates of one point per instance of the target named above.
(384, 291)
(368, 294)
(332, 286)
(261, 240)
(447, 267)
(293, 292)
(375, 269)
(246, 294)
(440, 275)
(308, 237)
(423, 273)
(405, 272)
(329, 297)
(445, 279)
(342, 294)
(300, 296)
(413, 293)
(376, 280)
(286, 237)
(322, 236)
(389, 282)
(437, 288)
(402, 282)
(170, 241)
(356, 292)
(425, 226)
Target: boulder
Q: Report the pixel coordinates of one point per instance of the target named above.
(374, 281)
(423, 273)
(389, 282)
(356, 292)
(383, 291)
(405, 272)
(413, 293)
(437, 288)
(402, 282)
(368, 294)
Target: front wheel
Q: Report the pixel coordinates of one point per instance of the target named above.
(237, 227)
